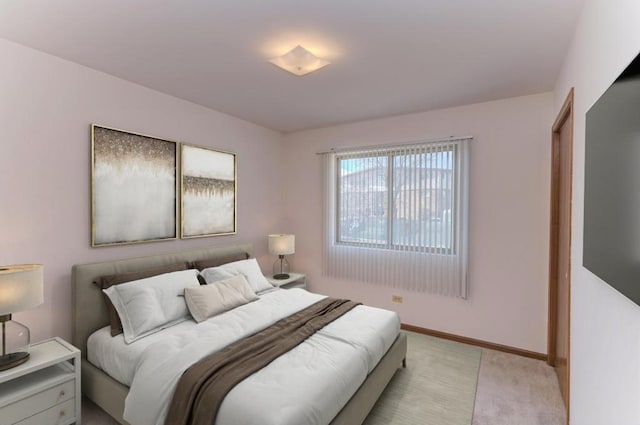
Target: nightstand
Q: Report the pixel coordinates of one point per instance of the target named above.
(45, 389)
(296, 280)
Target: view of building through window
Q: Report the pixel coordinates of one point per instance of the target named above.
(397, 200)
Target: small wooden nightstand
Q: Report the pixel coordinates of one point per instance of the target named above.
(296, 280)
(45, 389)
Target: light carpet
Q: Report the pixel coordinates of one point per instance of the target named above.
(438, 387)
(514, 390)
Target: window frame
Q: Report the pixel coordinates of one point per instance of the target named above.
(390, 154)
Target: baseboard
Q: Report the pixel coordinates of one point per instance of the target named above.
(477, 342)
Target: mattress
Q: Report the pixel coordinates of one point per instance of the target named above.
(308, 385)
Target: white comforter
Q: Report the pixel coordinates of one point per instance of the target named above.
(308, 385)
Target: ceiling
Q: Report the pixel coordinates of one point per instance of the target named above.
(388, 57)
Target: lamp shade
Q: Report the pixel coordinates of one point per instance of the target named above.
(20, 287)
(282, 244)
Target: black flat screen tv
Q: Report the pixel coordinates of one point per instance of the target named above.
(612, 185)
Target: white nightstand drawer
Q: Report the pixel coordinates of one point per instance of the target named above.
(45, 389)
(38, 402)
(298, 284)
(63, 413)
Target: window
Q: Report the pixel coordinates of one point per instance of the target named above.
(398, 207)
(397, 200)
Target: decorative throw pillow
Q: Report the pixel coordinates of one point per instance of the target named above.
(211, 300)
(148, 305)
(105, 282)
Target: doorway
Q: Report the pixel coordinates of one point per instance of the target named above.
(560, 247)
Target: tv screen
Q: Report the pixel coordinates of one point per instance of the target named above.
(612, 185)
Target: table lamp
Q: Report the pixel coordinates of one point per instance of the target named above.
(281, 245)
(20, 289)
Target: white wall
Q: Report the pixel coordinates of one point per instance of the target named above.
(46, 107)
(509, 217)
(605, 326)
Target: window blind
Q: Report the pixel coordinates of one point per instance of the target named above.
(398, 215)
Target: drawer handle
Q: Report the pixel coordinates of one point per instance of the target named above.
(62, 414)
(62, 393)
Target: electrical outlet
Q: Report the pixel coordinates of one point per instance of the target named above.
(396, 299)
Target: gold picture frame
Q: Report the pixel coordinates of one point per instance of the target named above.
(134, 187)
(208, 192)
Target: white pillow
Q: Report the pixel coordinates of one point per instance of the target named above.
(214, 274)
(250, 269)
(148, 305)
(210, 300)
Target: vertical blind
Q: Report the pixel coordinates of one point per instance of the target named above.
(397, 215)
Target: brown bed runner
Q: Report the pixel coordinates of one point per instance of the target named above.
(205, 384)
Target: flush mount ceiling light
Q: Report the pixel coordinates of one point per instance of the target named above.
(299, 61)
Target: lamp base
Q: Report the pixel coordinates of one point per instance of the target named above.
(281, 268)
(13, 359)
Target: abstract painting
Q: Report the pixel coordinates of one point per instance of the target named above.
(208, 192)
(133, 187)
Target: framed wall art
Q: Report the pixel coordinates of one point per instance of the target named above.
(133, 187)
(208, 182)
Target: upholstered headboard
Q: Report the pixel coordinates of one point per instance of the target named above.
(89, 309)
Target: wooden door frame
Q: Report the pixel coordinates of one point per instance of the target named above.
(566, 113)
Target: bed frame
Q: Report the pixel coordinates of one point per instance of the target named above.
(90, 314)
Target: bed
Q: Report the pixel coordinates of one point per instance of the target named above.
(90, 315)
